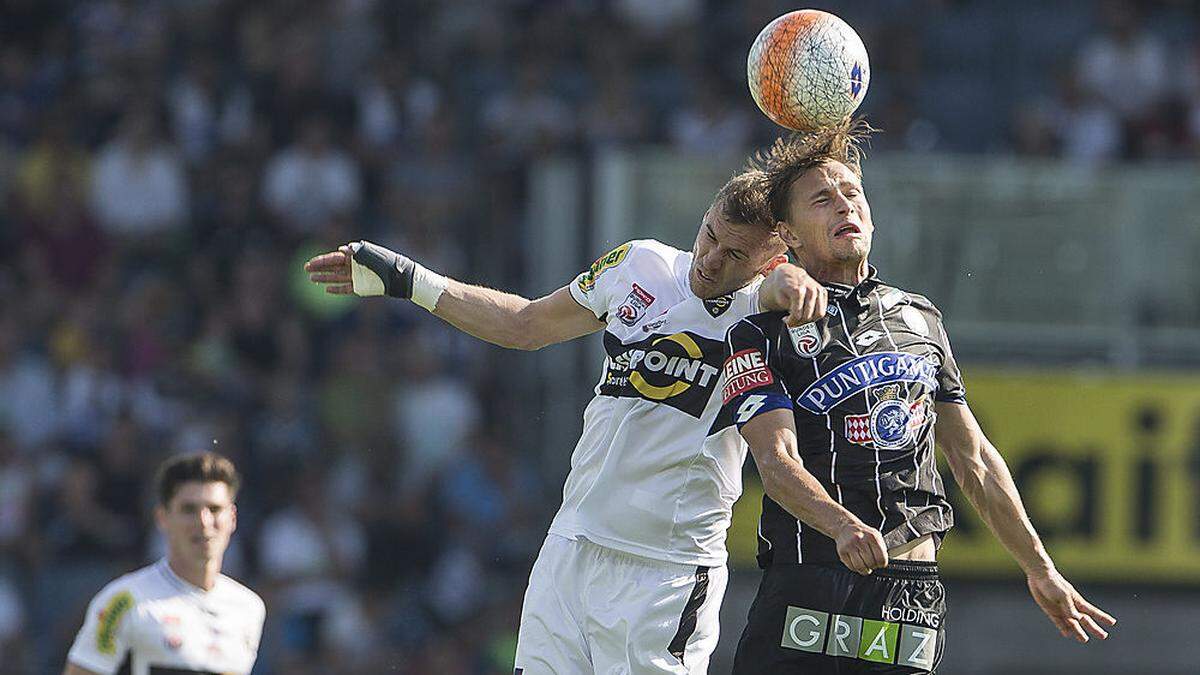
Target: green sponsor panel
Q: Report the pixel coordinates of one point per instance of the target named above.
(844, 633)
(918, 646)
(804, 629)
(878, 642)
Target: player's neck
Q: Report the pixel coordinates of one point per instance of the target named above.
(202, 575)
(837, 272)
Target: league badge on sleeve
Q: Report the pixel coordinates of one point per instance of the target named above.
(634, 307)
(806, 339)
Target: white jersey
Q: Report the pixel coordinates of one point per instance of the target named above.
(650, 475)
(164, 624)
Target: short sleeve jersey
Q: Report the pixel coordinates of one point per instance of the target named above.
(861, 384)
(650, 475)
(151, 622)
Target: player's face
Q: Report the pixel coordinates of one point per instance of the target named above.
(726, 256)
(829, 220)
(198, 521)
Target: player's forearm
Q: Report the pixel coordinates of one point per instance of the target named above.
(988, 485)
(803, 496)
(795, 489)
(498, 317)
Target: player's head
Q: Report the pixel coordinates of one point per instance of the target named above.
(736, 239)
(815, 193)
(195, 508)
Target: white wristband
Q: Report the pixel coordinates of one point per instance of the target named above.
(427, 287)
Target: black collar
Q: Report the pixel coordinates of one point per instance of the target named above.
(860, 291)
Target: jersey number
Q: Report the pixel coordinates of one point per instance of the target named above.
(750, 406)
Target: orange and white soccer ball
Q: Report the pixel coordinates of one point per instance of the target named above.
(808, 69)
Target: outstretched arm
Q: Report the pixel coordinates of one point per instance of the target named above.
(988, 485)
(790, 289)
(772, 440)
(504, 319)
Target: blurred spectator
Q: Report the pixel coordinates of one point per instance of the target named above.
(311, 181)
(138, 184)
(434, 413)
(529, 120)
(31, 416)
(1126, 68)
(711, 124)
(312, 554)
(17, 492)
(51, 168)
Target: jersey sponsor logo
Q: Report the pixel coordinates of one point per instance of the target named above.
(718, 306)
(634, 306)
(869, 370)
(887, 641)
(655, 324)
(679, 370)
(587, 280)
(744, 371)
(806, 339)
(110, 620)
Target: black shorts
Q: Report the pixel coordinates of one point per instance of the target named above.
(819, 619)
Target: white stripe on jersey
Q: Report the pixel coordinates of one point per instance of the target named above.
(867, 402)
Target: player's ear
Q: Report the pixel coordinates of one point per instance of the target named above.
(160, 518)
(233, 518)
(785, 233)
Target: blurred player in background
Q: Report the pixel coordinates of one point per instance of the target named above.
(179, 615)
(850, 405)
(631, 575)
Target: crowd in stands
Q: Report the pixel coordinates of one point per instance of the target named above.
(167, 165)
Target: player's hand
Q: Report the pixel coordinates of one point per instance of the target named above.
(363, 269)
(1074, 616)
(789, 288)
(861, 548)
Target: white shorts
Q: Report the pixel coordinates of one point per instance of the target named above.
(592, 609)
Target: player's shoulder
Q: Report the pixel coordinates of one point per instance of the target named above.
(640, 258)
(757, 326)
(243, 595)
(891, 296)
(124, 593)
(652, 252)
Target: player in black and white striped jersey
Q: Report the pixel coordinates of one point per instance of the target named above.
(848, 406)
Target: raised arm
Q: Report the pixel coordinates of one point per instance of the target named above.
(772, 440)
(985, 480)
(504, 319)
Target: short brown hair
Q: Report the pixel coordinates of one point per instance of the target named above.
(791, 156)
(200, 467)
(743, 199)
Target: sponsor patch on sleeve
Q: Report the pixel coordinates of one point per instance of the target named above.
(587, 280)
(110, 620)
(744, 371)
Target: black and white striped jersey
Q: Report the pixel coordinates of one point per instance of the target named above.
(861, 384)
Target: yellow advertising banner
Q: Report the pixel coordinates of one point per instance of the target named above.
(1108, 466)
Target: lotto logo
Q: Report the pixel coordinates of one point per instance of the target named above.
(810, 630)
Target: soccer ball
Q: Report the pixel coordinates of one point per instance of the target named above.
(808, 69)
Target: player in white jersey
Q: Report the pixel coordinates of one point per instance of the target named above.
(180, 615)
(631, 575)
